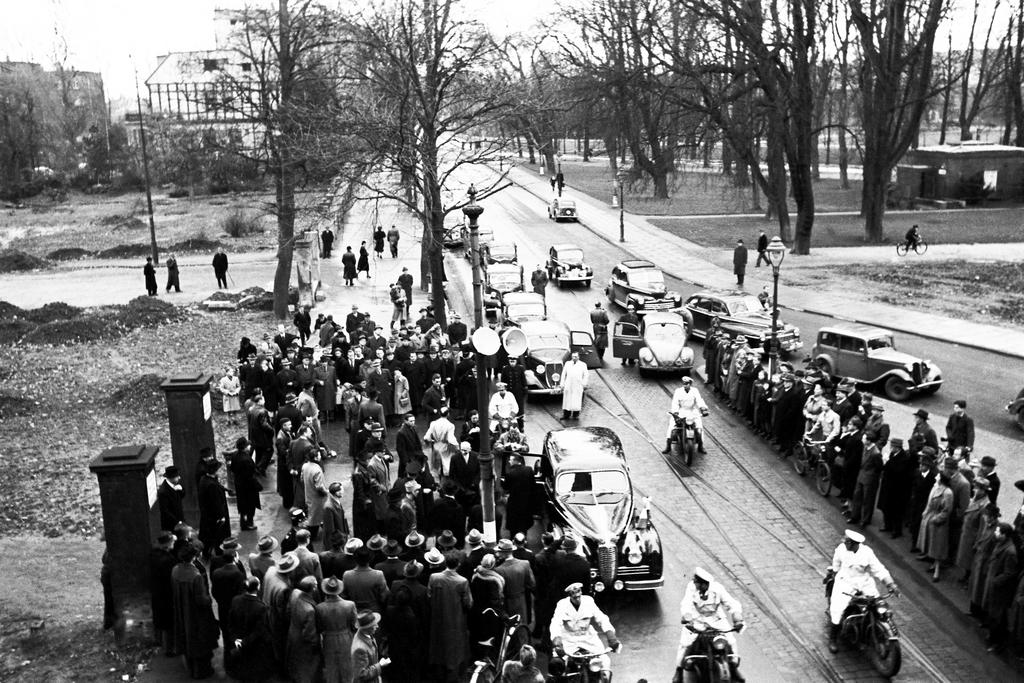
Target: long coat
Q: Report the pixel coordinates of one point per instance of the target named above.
(250, 623)
(933, 538)
(983, 548)
(169, 498)
(214, 523)
(336, 623)
(450, 602)
(348, 264)
(195, 627)
(247, 486)
(1001, 579)
(897, 478)
(519, 586)
(161, 565)
(364, 260)
(969, 532)
(315, 492)
(303, 648)
(384, 383)
(739, 260)
(575, 377)
(365, 659)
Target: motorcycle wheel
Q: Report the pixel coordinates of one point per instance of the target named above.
(886, 655)
(800, 459)
(689, 450)
(823, 479)
(720, 671)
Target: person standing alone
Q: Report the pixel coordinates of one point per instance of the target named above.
(393, 238)
(172, 274)
(762, 250)
(220, 268)
(739, 262)
(150, 272)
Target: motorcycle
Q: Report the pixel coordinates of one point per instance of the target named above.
(580, 667)
(684, 438)
(710, 656)
(868, 623)
(513, 636)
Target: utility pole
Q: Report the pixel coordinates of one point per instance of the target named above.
(145, 173)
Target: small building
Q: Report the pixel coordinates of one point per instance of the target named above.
(968, 171)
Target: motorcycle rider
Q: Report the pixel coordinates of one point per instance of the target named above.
(503, 406)
(706, 604)
(687, 403)
(577, 623)
(855, 568)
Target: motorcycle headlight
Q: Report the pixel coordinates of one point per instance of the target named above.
(719, 644)
(540, 369)
(595, 665)
(635, 557)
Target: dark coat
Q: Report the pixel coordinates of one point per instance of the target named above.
(1002, 579)
(465, 472)
(447, 514)
(250, 623)
(169, 499)
(303, 645)
(348, 264)
(897, 482)
(521, 490)
(227, 582)
(739, 259)
(247, 486)
(195, 627)
(364, 260)
(214, 520)
(150, 272)
(409, 447)
(567, 569)
(161, 564)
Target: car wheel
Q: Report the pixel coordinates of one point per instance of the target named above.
(1020, 419)
(587, 284)
(897, 389)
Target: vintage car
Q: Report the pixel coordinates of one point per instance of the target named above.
(563, 209)
(500, 252)
(549, 343)
(518, 307)
(1016, 408)
(453, 238)
(658, 343)
(740, 313)
(868, 355)
(484, 236)
(642, 284)
(499, 280)
(589, 495)
(566, 265)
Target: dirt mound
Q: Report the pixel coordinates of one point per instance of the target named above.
(9, 311)
(53, 311)
(147, 311)
(14, 406)
(195, 244)
(69, 254)
(12, 261)
(58, 323)
(126, 251)
(141, 395)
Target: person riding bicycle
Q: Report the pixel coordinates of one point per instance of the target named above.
(577, 625)
(855, 568)
(825, 426)
(687, 403)
(913, 237)
(707, 605)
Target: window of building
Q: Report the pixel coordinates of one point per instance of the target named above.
(246, 66)
(211, 65)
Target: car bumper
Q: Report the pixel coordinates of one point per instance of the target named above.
(543, 391)
(643, 584)
(575, 276)
(926, 385)
(566, 217)
(665, 367)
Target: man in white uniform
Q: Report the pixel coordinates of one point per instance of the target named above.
(706, 604)
(503, 406)
(578, 623)
(687, 402)
(855, 568)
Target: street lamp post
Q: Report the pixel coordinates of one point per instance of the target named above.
(776, 253)
(621, 177)
(485, 343)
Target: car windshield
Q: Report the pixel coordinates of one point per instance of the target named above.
(502, 250)
(748, 304)
(537, 342)
(525, 310)
(647, 279)
(664, 332)
(571, 256)
(603, 487)
(885, 342)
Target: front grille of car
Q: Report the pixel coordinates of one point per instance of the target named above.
(606, 561)
(916, 373)
(631, 571)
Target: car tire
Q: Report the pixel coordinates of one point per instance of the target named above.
(897, 389)
(1020, 419)
(587, 284)
(642, 372)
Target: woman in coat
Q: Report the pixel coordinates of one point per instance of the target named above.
(983, 547)
(336, 624)
(230, 388)
(971, 527)
(364, 260)
(1000, 583)
(403, 399)
(933, 537)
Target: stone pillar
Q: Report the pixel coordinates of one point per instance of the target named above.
(190, 415)
(131, 518)
(306, 257)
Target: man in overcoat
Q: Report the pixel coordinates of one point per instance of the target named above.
(450, 602)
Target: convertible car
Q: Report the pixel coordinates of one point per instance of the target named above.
(589, 495)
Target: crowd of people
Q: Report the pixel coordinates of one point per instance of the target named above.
(934, 491)
(401, 585)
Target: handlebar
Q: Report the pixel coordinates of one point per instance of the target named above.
(858, 594)
(709, 630)
(583, 654)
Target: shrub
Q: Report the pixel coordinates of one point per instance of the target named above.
(239, 224)
(178, 193)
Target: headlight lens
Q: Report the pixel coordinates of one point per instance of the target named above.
(719, 644)
(634, 558)
(598, 587)
(540, 369)
(595, 665)
(555, 377)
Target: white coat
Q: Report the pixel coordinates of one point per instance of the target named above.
(574, 380)
(715, 609)
(576, 626)
(854, 572)
(686, 404)
(503, 406)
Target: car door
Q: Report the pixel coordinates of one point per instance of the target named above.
(853, 358)
(583, 343)
(698, 308)
(626, 341)
(615, 287)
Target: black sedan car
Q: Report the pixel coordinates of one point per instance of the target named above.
(740, 313)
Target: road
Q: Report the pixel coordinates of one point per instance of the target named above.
(741, 512)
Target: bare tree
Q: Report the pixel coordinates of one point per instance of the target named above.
(897, 39)
(1013, 76)
(979, 78)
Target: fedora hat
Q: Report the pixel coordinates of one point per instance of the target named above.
(505, 546)
(921, 413)
(353, 544)
(414, 539)
(331, 586)
(474, 538)
(446, 539)
(376, 542)
(367, 619)
(434, 557)
(287, 563)
(267, 545)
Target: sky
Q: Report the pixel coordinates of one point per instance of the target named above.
(115, 37)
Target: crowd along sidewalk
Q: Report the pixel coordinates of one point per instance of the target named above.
(688, 261)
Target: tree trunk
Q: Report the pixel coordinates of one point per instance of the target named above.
(803, 194)
(529, 149)
(873, 206)
(285, 234)
(586, 142)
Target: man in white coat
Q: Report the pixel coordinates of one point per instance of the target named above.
(687, 402)
(707, 605)
(855, 567)
(573, 381)
(578, 623)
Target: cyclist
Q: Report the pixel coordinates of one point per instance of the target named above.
(687, 402)
(913, 237)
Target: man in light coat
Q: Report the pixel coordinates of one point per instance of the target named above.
(706, 604)
(577, 623)
(687, 403)
(855, 567)
(573, 382)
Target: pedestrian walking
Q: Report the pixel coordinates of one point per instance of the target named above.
(405, 282)
(539, 280)
(599, 321)
(393, 238)
(220, 268)
(378, 242)
(327, 239)
(150, 272)
(762, 250)
(739, 262)
(348, 266)
(303, 323)
(364, 260)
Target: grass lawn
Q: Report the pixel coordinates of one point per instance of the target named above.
(694, 192)
(99, 222)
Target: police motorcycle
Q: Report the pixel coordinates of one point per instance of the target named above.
(709, 656)
(684, 437)
(580, 666)
(868, 623)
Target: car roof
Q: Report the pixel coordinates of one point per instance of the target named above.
(522, 298)
(856, 330)
(544, 327)
(565, 246)
(661, 317)
(584, 448)
(565, 200)
(725, 294)
(503, 268)
(636, 263)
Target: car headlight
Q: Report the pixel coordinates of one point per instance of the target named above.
(540, 369)
(598, 587)
(635, 557)
(796, 331)
(555, 377)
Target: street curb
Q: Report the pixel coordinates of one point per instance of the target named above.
(814, 311)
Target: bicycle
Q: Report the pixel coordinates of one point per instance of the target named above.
(903, 248)
(808, 456)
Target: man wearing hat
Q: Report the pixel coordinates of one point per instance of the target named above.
(195, 627)
(686, 403)
(302, 650)
(854, 568)
(896, 486)
(960, 428)
(289, 542)
(214, 522)
(407, 508)
(365, 585)
(335, 619)
(227, 581)
(706, 604)
(520, 583)
(392, 567)
(865, 490)
(473, 552)
(847, 401)
(366, 665)
(412, 581)
(961, 500)
(875, 428)
(346, 560)
(277, 587)
(788, 418)
(923, 432)
(252, 656)
(450, 602)
(161, 564)
(988, 470)
(577, 624)
(503, 406)
(169, 497)
(263, 559)
(924, 480)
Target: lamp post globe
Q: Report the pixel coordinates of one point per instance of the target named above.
(776, 254)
